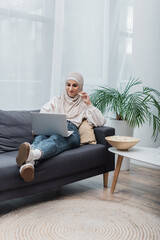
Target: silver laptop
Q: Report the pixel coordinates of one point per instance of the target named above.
(49, 124)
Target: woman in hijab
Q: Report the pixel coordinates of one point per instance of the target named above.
(76, 105)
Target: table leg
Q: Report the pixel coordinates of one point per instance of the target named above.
(105, 179)
(116, 172)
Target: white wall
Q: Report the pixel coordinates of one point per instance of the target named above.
(146, 54)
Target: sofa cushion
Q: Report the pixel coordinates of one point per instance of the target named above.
(67, 163)
(72, 161)
(15, 128)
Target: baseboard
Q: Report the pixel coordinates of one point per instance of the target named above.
(144, 164)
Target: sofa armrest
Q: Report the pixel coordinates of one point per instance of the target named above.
(101, 133)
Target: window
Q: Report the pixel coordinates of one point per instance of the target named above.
(26, 38)
(97, 41)
(83, 40)
(125, 41)
(42, 40)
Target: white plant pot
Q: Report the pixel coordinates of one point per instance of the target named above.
(121, 129)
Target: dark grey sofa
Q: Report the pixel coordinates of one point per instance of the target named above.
(67, 167)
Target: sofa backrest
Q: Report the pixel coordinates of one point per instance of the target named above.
(15, 128)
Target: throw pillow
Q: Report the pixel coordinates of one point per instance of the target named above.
(15, 128)
(86, 133)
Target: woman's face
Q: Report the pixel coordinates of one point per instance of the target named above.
(72, 88)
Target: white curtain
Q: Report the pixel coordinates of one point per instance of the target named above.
(96, 40)
(80, 45)
(26, 39)
(42, 40)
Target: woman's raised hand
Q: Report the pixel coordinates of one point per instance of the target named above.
(85, 98)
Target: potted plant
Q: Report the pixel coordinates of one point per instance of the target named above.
(135, 108)
(132, 107)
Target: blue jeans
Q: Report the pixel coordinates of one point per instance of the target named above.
(55, 144)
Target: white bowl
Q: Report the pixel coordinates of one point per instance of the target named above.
(122, 142)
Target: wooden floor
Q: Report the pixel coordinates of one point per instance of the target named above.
(139, 187)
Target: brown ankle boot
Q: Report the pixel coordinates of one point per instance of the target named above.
(27, 172)
(23, 153)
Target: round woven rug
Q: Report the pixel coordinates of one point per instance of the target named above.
(79, 219)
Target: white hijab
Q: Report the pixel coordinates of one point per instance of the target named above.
(74, 108)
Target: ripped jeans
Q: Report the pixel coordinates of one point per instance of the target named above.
(55, 144)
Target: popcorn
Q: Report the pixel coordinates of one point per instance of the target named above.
(121, 138)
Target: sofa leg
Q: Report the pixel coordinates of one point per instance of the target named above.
(105, 179)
